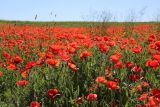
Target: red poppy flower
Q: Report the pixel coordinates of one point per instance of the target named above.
(134, 77)
(137, 69)
(132, 41)
(72, 66)
(55, 49)
(92, 97)
(123, 47)
(157, 53)
(115, 58)
(111, 44)
(151, 46)
(6, 55)
(137, 50)
(30, 65)
(103, 48)
(106, 38)
(34, 104)
(52, 93)
(143, 97)
(152, 102)
(156, 93)
(101, 80)
(145, 84)
(112, 85)
(118, 65)
(64, 56)
(71, 50)
(24, 73)
(40, 61)
(151, 38)
(85, 54)
(17, 59)
(153, 64)
(11, 67)
(129, 64)
(49, 55)
(53, 62)
(97, 38)
(74, 45)
(157, 45)
(22, 83)
(156, 57)
(125, 41)
(1, 73)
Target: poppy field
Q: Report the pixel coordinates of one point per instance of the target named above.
(47, 66)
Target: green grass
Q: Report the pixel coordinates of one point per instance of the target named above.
(70, 23)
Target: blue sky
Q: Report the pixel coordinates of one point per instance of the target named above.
(78, 10)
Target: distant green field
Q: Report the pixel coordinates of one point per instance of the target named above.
(69, 24)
